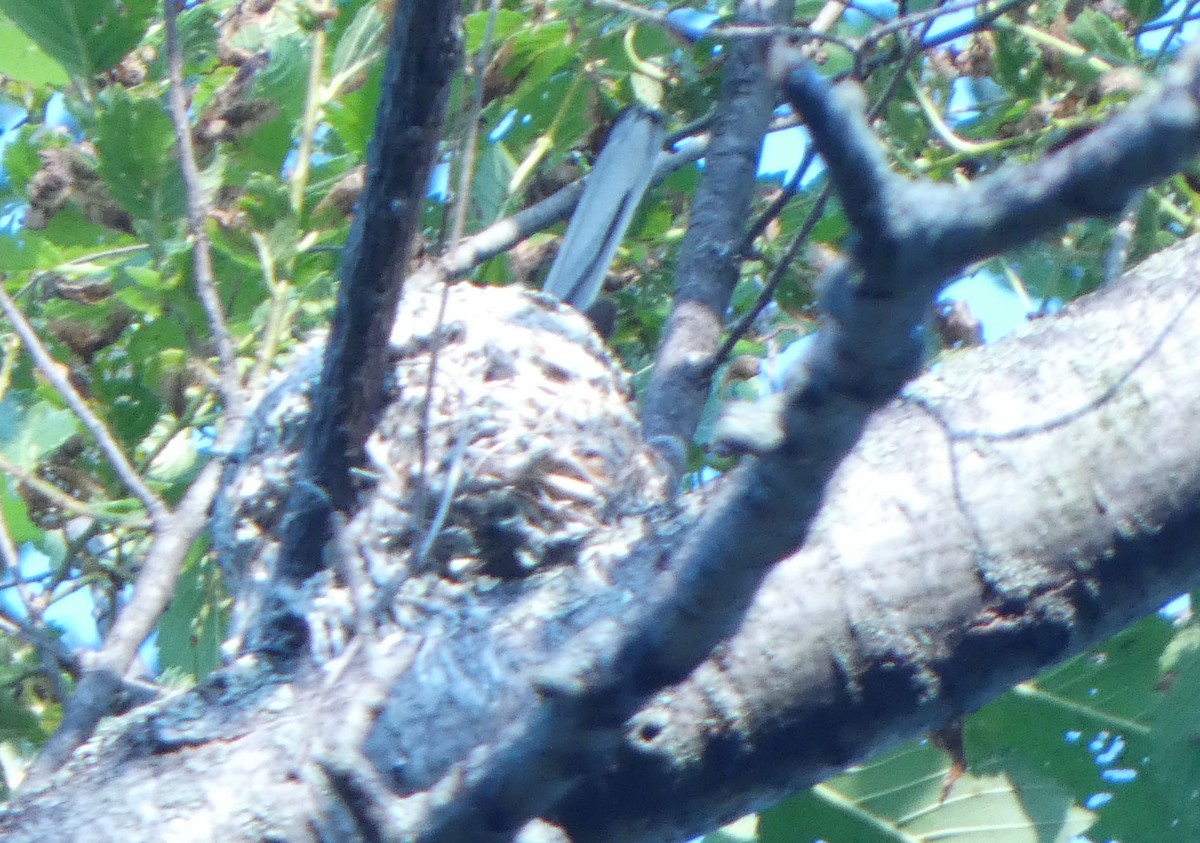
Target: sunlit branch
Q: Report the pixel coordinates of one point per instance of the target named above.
(202, 265)
(982, 21)
(71, 504)
(312, 111)
(53, 372)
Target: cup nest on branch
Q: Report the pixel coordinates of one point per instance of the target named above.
(508, 452)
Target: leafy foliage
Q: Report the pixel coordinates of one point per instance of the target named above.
(85, 37)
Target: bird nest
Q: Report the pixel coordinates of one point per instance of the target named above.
(507, 448)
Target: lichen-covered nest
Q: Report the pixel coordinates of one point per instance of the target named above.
(527, 459)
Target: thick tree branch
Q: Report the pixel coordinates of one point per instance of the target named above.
(421, 57)
(1021, 503)
(909, 238)
(956, 591)
(932, 581)
(708, 259)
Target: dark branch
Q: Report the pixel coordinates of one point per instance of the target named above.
(422, 56)
(709, 259)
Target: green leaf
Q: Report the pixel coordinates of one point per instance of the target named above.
(906, 796)
(16, 515)
(21, 156)
(27, 250)
(489, 193)
(656, 220)
(807, 10)
(158, 350)
(1101, 35)
(30, 430)
(1144, 10)
(1174, 766)
(136, 145)
(24, 60)
(1116, 679)
(832, 227)
(141, 300)
(550, 103)
(77, 236)
(198, 26)
(507, 22)
(1082, 722)
(1018, 64)
(358, 47)
(130, 405)
(87, 37)
(1038, 267)
(546, 65)
(144, 276)
(531, 45)
(176, 465)
(906, 124)
(284, 81)
(191, 630)
(17, 723)
(265, 201)
(352, 117)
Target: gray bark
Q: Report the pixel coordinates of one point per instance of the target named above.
(481, 632)
(1021, 502)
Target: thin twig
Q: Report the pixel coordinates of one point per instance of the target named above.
(1122, 239)
(766, 295)
(719, 31)
(453, 477)
(503, 235)
(388, 592)
(202, 265)
(818, 30)
(16, 581)
(466, 173)
(1176, 28)
(174, 533)
(461, 202)
(777, 205)
(1168, 23)
(61, 499)
(31, 627)
(273, 332)
(104, 671)
(8, 550)
(54, 374)
(312, 112)
(54, 655)
(930, 15)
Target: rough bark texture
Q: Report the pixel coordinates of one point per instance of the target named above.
(421, 59)
(1019, 503)
(708, 258)
(509, 586)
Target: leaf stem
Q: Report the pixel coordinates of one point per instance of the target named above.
(312, 113)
